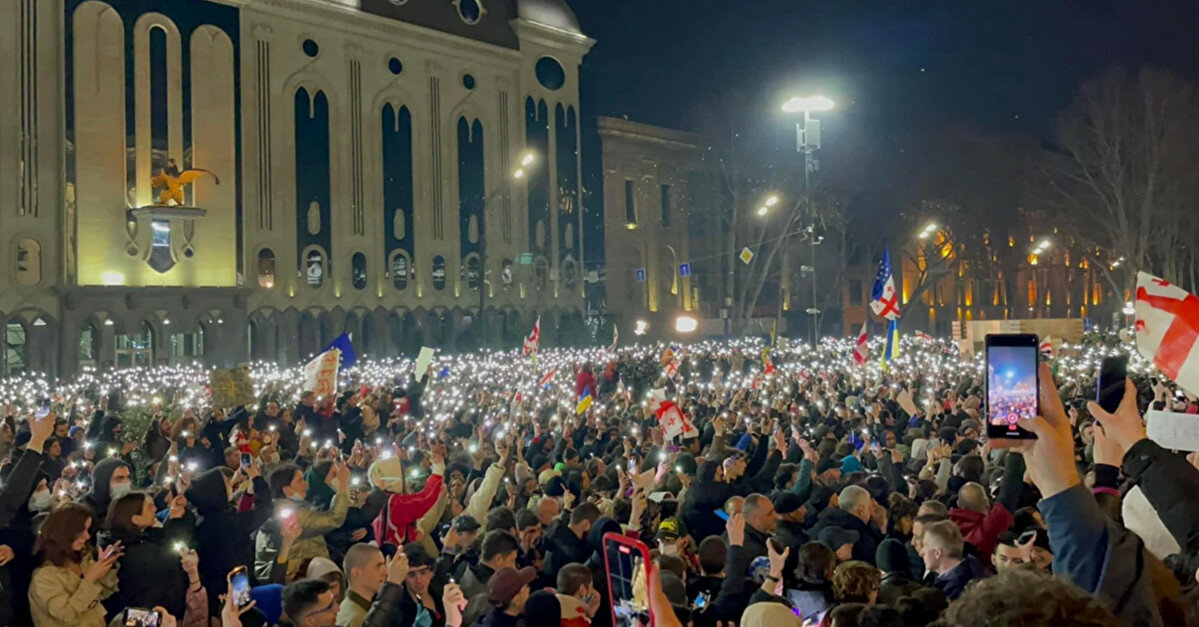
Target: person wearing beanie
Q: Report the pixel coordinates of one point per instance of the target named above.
(791, 512)
(892, 559)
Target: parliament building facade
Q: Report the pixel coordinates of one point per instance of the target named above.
(233, 180)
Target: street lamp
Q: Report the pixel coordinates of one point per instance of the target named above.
(928, 230)
(807, 140)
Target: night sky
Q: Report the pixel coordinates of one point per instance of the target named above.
(1006, 65)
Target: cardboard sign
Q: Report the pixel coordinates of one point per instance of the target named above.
(231, 387)
(906, 403)
(320, 374)
(1173, 430)
(423, 361)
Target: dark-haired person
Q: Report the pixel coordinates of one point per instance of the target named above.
(74, 578)
(289, 491)
(566, 539)
(507, 591)
(224, 536)
(310, 603)
(151, 572)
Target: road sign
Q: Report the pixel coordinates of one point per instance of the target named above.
(526, 259)
(746, 255)
(639, 274)
(684, 269)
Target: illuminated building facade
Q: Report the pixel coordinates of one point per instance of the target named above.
(359, 166)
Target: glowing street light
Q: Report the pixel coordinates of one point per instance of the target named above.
(800, 104)
(762, 210)
(686, 324)
(928, 230)
(641, 327)
(772, 200)
(528, 158)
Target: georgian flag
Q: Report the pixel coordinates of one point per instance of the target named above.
(533, 342)
(861, 352)
(884, 300)
(1167, 327)
(670, 416)
(549, 376)
(615, 337)
(1046, 347)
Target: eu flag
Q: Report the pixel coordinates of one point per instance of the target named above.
(343, 344)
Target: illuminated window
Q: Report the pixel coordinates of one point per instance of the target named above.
(266, 268)
(439, 272)
(399, 271)
(358, 271)
(314, 268)
(89, 338)
(14, 348)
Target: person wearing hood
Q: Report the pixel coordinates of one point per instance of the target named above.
(108, 442)
(224, 535)
(111, 479)
(290, 490)
(812, 591)
(892, 560)
(24, 492)
(151, 572)
(707, 494)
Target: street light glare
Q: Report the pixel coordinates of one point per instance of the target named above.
(528, 159)
(772, 201)
(1044, 245)
(808, 103)
(761, 211)
(519, 173)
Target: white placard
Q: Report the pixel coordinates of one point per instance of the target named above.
(423, 361)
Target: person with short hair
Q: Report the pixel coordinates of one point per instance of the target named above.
(854, 512)
(566, 539)
(943, 554)
(366, 573)
(1022, 596)
(577, 595)
(855, 582)
(1007, 554)
(310, 603)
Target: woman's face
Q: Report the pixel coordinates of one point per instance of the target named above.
(145, 518)
(55, 449)
(83, 537)
(164, 426)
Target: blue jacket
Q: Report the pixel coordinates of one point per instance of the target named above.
(1099, 556)
(952, 583)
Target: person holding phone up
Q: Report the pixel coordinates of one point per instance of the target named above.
(74, 578)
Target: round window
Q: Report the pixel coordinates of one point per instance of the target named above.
(550, 73)
(468, 81)
(471, 11)
(310, 48)
(395, 66)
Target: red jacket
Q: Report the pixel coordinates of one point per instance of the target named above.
(396, 523)
(585, 381)
(982, 530)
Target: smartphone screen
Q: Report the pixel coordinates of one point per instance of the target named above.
(246, 460)
(141, 617)
(1109, 389)
(627, 563)
(1011, 384)
(239, 586)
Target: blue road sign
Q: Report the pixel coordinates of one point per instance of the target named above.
(639, 273)
(684, 269)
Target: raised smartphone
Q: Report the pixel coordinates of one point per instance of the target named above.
(1109, 388)
(1012, 384)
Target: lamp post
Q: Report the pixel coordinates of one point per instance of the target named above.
(527, 161)
(807, 141)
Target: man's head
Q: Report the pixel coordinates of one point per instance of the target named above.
(932, 507)
(307, 399)
(840, 540)
(365, 568)
(1020, 596)
(918, 525)
(759, 513)
(467, 529)
(942, 546)
(310, 603)
(420, 568)
(508, 589)
(712, 554)
(546, 510)
(583, 517)
(789, 507)
(973, 497)
(232, 457)
(499, 550)
(287, 482)
(814, 563)
(501, 519)
(574, 580)
(272, 408)
(1007, 554)
(734, 505)
(528, 528)
(856, 501)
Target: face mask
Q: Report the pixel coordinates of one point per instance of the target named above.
(119, 489)
(40, 501)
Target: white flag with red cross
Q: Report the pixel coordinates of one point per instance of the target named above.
(1167, 328)
(533, 343)
(861, 350)
(670, 416)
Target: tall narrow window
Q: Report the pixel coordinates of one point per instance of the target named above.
(14, 348)
(266, 268)
(630, 205)
(439, 272)
(666, 205)
(315, 268)
(399, 270)
(358, 271)
(29, 262)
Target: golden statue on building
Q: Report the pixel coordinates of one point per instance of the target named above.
(172, 181)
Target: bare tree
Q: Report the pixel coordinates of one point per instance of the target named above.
(1125, 174)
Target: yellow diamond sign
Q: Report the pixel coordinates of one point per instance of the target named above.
(746, 255)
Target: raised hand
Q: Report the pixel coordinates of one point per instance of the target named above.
(1125, 426)
(735, 528)
(397, 568)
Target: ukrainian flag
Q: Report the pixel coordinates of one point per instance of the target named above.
(584, 402)
(891, 350)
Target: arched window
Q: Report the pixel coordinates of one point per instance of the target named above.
(29, 262)
(541, 272)
(400, 268)
(266, 268)
(314, 268)
(439, 272)
(570, 273)
(135, 349)
(358, 271)
(89, 339)
(507, 274)
(471, 271)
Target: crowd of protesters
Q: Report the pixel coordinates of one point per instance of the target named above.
(807, 491)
